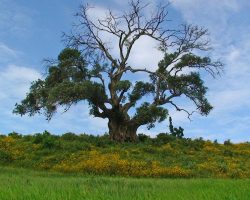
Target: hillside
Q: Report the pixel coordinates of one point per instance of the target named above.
(163, 156)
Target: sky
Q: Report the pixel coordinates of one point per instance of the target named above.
(31, 31)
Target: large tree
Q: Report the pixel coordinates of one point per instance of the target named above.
(89, 70)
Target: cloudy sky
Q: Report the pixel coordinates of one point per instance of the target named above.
(31, 31)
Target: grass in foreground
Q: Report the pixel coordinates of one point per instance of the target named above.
(18, 184)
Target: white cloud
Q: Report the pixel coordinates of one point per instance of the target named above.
(145, 54)
(215, 13)
(229, 94)
(15, 81)
(96, 13)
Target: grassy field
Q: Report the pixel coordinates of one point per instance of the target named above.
(19, 184)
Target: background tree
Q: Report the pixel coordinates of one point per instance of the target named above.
(87, 70)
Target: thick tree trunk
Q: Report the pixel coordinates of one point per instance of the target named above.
(122, 131)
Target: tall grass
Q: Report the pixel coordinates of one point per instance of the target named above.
(29, 185)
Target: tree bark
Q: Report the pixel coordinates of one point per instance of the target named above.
(122, 131)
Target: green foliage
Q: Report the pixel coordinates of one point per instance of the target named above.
(5, 157)
(143, 138)
(164, 138)
(46, 140)
(177, 132)
(15, 135)
(69, 136)
(193, 88)
(149, 114)
(162, 156)
(49, 142)
(227, 142)
(123, 85)
(140, 90)
(67, 83)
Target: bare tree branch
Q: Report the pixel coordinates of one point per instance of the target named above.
(189, 114)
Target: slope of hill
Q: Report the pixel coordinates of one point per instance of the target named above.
(164, 156)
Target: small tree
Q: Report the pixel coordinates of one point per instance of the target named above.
(177, 132)
(87, 70)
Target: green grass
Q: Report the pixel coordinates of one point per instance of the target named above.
(19, 184)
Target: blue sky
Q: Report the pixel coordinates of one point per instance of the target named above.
(31, 31)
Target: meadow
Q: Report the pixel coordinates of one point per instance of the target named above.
(165, 156)
(23, 184)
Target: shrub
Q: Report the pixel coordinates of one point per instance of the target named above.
(38, 138)
(46, 139)
(49, 142)
(143, 138)
(227, 142)
(28, 138)
(69, 136)
(163, 138)
(198, 144)
(176, 132)
(216, 141)
(15, 135)
(5, 157)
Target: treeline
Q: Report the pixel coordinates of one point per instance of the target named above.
(49, 140)
(166, 155)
